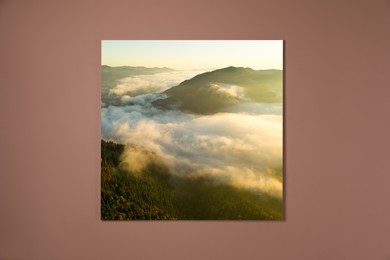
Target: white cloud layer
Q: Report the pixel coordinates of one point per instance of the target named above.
(240, 149)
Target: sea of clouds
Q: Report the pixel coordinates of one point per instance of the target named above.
(241, 147)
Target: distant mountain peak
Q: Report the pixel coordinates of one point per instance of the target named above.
(233, 68)
(135, 68)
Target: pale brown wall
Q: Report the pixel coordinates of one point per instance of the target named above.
(337, 129)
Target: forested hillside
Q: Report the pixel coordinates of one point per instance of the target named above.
(154, 194)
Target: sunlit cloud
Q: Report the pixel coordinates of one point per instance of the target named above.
(227, 90)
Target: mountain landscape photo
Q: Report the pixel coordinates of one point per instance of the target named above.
(192, 130)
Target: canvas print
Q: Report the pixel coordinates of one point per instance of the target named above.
(192, 130)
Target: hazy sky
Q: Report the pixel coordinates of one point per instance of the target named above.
(194, 54)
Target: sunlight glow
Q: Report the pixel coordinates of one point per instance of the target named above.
(194, 54)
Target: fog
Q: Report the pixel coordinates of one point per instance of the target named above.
(241, 146)
(227, 90)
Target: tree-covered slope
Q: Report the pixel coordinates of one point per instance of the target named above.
(154, 194)
(125, 196)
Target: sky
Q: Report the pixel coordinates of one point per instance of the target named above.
(194, 54)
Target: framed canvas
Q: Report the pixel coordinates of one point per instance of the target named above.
(192, 130)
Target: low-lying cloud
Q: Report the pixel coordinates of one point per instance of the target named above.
(244, 150)
(227, 90)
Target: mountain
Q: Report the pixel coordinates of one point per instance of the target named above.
(111, 75)
(214, 91)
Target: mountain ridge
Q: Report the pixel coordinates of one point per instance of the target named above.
(213, 91)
